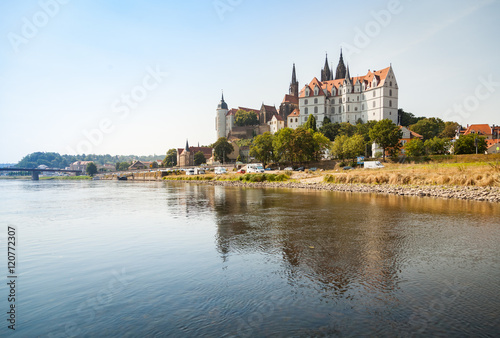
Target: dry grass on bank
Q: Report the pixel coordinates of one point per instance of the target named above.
(459, 174)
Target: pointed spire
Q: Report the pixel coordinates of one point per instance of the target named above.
(325, 72)
(222, 104)
(187, 145)
(294, 77)
(348, 74)
(294, 85)
(341, 70)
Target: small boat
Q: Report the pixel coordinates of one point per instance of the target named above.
(122, 178)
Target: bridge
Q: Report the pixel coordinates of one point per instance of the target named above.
(36, 172)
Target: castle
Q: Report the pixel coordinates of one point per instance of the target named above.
(340, 98)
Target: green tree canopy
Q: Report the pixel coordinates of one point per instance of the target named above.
(310, 123)
(337, 149)
(466, 144)
(326, 120)
(415, 147)
(354, 146)
(171, 158)
(321, 144)
(386, 134)
(407, 119)
(437, 146)
(222, 148)
(91, 169)
(282, 145)
(122, 166)
(302, 144)
(428, 127)
(245, 118)
(450, 130)
(347, 129)
(262, 148)
(330, 130)
(199, 158)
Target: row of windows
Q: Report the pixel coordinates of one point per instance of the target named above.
(348, 99)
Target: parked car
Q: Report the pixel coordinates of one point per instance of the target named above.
(241, 171)
(313, 169)
(300, 169)
(373, 165)
(220, 170)
(348, 168)
(268, 169)
(190, 172)
(288, 168)
(255, 168)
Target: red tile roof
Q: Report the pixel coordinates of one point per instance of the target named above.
(292, 99)
(490, 143)
(232, 112)
(481, 129)
(295, 113)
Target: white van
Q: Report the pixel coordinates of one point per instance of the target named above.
(190, 172)
(199, 171)
(373, 165)
(255, 168)
(220, 170)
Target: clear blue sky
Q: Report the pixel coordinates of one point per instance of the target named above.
(67, 67)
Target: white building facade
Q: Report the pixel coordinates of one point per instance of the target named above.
(370, 97)
(220, 119)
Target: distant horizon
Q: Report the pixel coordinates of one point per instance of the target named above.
(124, 77)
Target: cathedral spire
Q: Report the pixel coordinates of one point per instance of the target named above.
(187, 145)
(294, 85)
(341, 70)
(325, 72)
(222, 104)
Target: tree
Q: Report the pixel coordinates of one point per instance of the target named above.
(330, 130)
(386, 134)
(437, 146)
(466, 144)
(415, 147)
(311, 123)
(407, 119)
(347, 129)
(338, 146)
(354, 146)
(154, 165)
(326, 120)
(199, 158)
(222, 148)
(450, 130)
(123, 166)
(91, 169)
(302, 144)
(245, 118)
(321, 143)
(171, 158)
(262, 148)
(282, 145)
(428, 127)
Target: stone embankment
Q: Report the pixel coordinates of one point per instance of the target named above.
(489, 194)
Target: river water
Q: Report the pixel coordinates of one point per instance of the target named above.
(114, 258)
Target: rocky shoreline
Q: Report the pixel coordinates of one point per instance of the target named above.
(473, 193)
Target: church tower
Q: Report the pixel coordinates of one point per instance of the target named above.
(220, 119)
(326, 74)
(341, 70)
(294, 85)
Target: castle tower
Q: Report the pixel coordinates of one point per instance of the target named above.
(325, 72)
(341, 70)
(294, 85)
(220, 119)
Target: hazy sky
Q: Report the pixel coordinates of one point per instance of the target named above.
(139, 77)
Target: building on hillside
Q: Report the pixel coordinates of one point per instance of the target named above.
(79, 165)
(277, 123)
(408, 135)
(139, 165)
(293, 120)
(481, 130)
(373, 96)
(185, 156)
(493, 146)
(266, 113)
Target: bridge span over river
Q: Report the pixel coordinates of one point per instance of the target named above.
(36, 172)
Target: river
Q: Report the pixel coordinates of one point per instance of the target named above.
(125, 259)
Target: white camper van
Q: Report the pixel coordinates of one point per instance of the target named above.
(255, 168)
(373, 165)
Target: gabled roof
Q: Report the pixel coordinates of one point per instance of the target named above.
(232, 112)
(481, 129)
(290, 98)
(491, 143)
(295, 113)
(271, 109)
(278, 117)
(256, 111)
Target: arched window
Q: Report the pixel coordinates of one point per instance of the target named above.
(315, 100)
(373, 104)
(306, 101)
(348, 108)
(307, 110)
(390, 92)
(390, 83)
(373, 93)
(315, 110)
(355, 108)
(390, 103)
(296, 119)
(340, 110)
(358, 97)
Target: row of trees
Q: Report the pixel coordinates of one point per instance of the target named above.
(289, 146)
